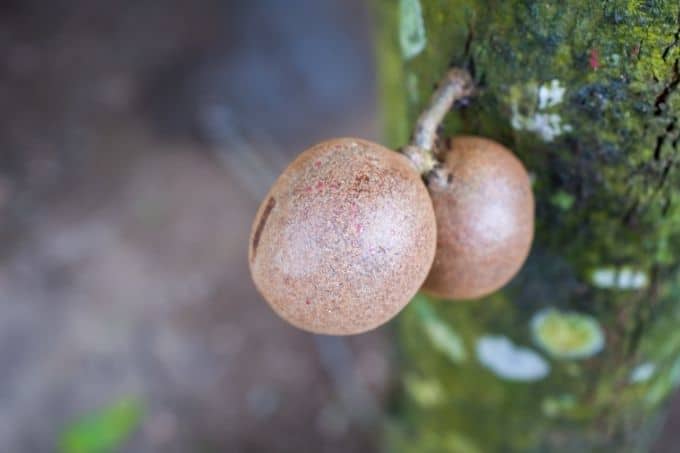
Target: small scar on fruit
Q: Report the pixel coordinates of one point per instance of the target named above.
(360, 183)
(260, 226)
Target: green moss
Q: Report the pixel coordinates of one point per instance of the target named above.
(554, 406)
(392, 84)
(424, 391)
(603, 159)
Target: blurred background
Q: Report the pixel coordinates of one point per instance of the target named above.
(136, 141)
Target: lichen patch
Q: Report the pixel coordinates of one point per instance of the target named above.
(567, 335)
(625, 278)
(533, 109)
(508, 361)
(412, 36)
(642, 372)
(550, 94)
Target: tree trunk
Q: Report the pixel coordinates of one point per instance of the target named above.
(582, 350)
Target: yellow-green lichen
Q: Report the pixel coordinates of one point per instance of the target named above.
(567, 335)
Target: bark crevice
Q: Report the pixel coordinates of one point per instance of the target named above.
(676, 41)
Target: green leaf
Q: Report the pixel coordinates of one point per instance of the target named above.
(104, 430)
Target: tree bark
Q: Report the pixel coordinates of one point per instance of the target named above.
(582, 350)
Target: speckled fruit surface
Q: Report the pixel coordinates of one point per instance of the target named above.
(485, 218)
(344, 239)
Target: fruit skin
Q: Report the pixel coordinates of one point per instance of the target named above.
(344, 239)
(485, 219)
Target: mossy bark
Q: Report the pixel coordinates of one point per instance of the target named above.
(582, 350)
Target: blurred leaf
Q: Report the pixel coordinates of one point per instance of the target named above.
(104, 430)
(563, 200)
(441, 334)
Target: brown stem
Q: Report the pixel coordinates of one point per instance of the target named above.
(456, 85)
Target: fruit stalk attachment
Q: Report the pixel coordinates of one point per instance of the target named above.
(456, 86)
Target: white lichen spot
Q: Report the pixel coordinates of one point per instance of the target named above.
(536, 116)
(625, 278)
(427, 392)
(546, 125)
(642, 372)
(567, 335)
(604, 278)
(551, 94)
(511, 362)
(412, 37)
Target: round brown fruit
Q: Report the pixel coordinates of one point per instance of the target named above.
(344, 239)
(485, 219)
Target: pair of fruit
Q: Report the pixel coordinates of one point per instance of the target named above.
(350, 232)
